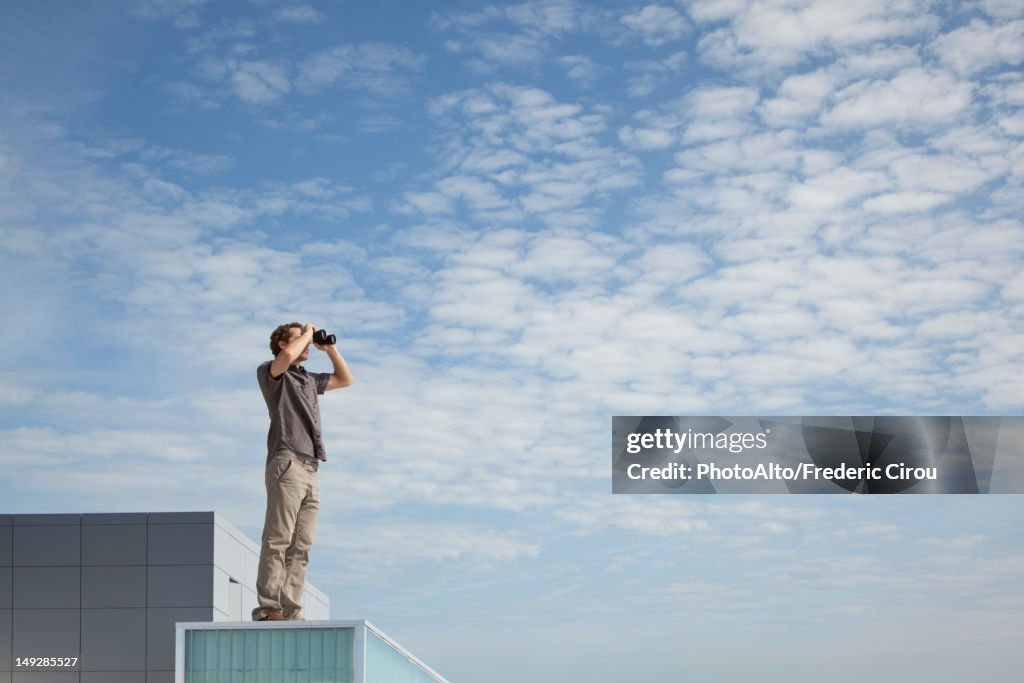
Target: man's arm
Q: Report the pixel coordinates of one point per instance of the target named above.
(342, 376)
(289, 353)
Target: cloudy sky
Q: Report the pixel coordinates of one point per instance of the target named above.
(520, 220)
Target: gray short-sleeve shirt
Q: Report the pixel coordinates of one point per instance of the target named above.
(294, 410)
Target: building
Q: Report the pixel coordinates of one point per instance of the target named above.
(294, 652)
(94, 598)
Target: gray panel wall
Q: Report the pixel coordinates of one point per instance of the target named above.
(109, 588)
(106, 589)
(6, 635)
(6, 595)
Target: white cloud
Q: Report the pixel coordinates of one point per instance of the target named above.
(371, 546)
(778, 151)
(762, 35)
(646, 138)
(583, 69)
(553, 257)
(712, 102)
(509, 49)
(545, 16)
(656, 24)
(540, 155)
(232, 32)
(512, 35)
(834, 188)
(429, 202)
(380, 123)
(650, 74)
(299, 14)
(718, 112)
(980, 45)
(1012, 125)
(184, 160)
(648, 515)
(1002, 9)
(1014, 288)
(802, 96)
(185, 95)
(187, 20)
(881, 60)
(166, 8)
(259, 82)
(797, 98)
(480, 195)
(938, 173)
(912, 97)
(381, 69)
(703, 11)
(906, 202)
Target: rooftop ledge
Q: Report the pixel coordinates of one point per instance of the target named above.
(367, 655)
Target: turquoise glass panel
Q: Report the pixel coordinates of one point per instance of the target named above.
(307, 655)
(385, 664)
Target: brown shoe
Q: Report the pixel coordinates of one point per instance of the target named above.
(272, 616)
(296, 617)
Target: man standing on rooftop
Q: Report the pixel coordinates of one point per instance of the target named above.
(295, 450)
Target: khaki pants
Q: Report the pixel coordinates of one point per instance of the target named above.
(293, 503)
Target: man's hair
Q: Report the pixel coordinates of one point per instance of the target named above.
(281, 334)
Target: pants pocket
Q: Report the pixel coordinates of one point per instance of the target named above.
(280, 466)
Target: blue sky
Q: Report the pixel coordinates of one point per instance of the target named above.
(520, 220)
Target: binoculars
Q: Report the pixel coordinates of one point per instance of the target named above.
(321, 337)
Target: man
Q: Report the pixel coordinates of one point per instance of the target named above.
(295, 450)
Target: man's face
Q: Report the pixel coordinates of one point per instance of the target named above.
(295, 333)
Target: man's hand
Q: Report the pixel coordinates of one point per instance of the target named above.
(342, 376)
